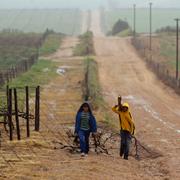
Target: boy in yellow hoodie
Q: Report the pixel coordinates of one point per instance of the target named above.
(127, 126)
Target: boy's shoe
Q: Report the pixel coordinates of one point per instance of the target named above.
(121, 154)
(86, 155)
(126, 157)
(82, 154)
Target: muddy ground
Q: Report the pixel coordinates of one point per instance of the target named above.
(155, 108)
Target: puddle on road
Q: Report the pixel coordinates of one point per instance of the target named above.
(148, 108)
(63, 69)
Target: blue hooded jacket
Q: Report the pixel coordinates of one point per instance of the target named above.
(92, 120)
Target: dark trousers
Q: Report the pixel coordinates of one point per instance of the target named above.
(84, 140)
(125, 143)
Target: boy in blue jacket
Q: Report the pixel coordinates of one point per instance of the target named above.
(85, 124)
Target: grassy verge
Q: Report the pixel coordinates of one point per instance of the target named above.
(125, 33)
(168, 48)
(94, 93)
(16, 47)
(51, 44)
(40, 73)
(93, 90)
(85, 46)
(163, 49)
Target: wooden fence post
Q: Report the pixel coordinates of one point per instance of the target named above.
(13, 70)
(26, 65)
(7, 94)
(10, 74)
(27, 111)
(1, 78)
(87, 94)
(16, 114)
(10, 114)
(0, 139)
(37, 109)
(7, 76)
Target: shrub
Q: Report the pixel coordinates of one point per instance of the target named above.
(85, 46)
(119, 26)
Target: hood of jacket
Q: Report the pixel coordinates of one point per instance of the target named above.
(126, 105)
(81, 107)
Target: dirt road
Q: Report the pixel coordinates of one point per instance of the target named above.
(156, 108)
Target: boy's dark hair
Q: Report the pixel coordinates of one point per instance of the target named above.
(85, 104)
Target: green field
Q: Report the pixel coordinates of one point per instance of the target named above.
(15, 47)
(168, 49)
(160, 18)
(40, 74)
(60, 20)
(51, 44)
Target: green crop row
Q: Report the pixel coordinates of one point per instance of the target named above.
(51, 44)
(59, 20)
(16, 47)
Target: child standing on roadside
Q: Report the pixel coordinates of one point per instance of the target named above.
(127, 126)
(85, 124)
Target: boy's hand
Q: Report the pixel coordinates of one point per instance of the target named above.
(119, 100)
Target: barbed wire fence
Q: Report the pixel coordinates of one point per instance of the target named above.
(162, 72)
(20, 107)
(7, 74)
(19, 115)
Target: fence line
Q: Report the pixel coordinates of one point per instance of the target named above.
(10, 113)
(159, 69)
(6, 75)
(14, 71)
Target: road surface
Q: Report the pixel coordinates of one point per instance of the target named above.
(155, 107)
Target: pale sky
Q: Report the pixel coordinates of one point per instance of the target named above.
(86, 3)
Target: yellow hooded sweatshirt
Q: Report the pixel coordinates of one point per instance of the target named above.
(125, 119)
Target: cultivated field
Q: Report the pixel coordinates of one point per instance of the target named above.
(16, 47)
(64, 21)
(160, 18)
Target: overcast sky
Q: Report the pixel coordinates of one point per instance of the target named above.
(85, 3)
